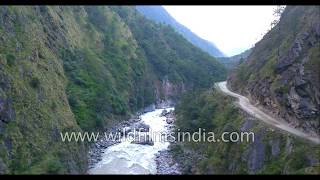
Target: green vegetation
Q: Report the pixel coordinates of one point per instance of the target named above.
(277, 44)
(35, 83)
(119, 78)
(83, 68)
(11, 59)
(86, 68)
(215, 112)
(282, 72)
(171, 55)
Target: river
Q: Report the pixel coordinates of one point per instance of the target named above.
(128, 158)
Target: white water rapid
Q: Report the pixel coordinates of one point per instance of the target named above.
(129, 158)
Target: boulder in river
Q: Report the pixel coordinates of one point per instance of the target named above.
(164, 113)
(141, 127)
(169, 120)
(143, 140)
(134, 119)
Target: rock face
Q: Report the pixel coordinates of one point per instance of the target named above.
(81, 69)
(166, 164)
(6, 110)
(170, 117)
(282, 72)
(256, 155)
(7, 114)
(134, 119)
(167, 92)
(164, 113)
(275, 147)
(169, 120)
(3, 168)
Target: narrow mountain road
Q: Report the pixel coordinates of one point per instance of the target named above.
(257, 113)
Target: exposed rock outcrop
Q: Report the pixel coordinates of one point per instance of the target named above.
(282, 74)
(164, 113)
(167, 92)
(6, 111)
(166, 164)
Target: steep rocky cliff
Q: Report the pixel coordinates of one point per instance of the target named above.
(270, 151)
(282, 73)
(74, 68)
(34, 108)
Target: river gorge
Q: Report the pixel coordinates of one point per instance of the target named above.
(127, 157)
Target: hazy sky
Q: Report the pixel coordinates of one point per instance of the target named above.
(232, 29)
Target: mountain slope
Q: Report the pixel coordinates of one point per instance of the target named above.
(234, 61)
(271, 152)
(287, 84)
(160, 15)
(282, 72)
(78, 69)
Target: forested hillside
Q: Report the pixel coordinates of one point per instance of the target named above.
(271, 152)
(74, 68)
(281, 74)
(160, 15)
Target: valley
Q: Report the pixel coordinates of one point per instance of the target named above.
(128, 157)
(118, 69)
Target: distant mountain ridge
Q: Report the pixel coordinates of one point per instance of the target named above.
(233, 61)
(160, 15)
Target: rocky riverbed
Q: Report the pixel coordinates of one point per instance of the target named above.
(163, 160)
(166, 163)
